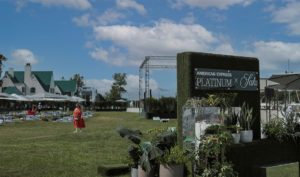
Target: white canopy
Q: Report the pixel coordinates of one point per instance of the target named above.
(47, 97)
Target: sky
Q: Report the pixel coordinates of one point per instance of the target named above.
(97, 38)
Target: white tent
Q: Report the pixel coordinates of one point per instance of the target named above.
(19, 97)
(76, 99)
(5, 96)
(47, 97)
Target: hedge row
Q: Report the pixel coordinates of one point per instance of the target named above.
(163, 107)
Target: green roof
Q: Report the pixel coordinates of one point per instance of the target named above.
(11, 90)
(44, 77)
(19, 77)
(66, 85)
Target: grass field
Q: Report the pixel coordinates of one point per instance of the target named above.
(50, 149)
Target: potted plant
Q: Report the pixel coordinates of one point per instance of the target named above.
(230, 121)
(246, 121)
(135, 151)
(172, 162)
(210, 157)
(148, 160)
(235, 132)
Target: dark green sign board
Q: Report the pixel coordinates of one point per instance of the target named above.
(201, 74)
(207, 79)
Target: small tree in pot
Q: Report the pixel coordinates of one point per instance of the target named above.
(246, 120)
(172, 162)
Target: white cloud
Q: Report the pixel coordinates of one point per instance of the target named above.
(102, 86)
(164, 38)
(190, 19)
(290, 14)
(132, 86)
(220, 4)
(225, 48)
(110, 16)
(22, 56)
(112, 56)
(131, 4)
(84, 20)
(76, 4)
(273, 54)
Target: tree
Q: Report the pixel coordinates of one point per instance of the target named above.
(99, 98)
(79, 80)
(117, 87)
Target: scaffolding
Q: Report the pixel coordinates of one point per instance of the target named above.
(153, 62)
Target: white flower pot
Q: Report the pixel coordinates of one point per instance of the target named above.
(171, 170)
(246, 136)
(236, 138)
(134, 172)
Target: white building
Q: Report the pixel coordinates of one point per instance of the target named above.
(30, 82)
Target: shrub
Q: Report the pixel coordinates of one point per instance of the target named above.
(174, 156)
(275, 129)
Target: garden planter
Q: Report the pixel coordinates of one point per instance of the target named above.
(142, 173)
(171, 170)
(246, 136)
(134, 172)
(236, 138)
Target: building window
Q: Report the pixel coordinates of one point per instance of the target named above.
(32, 90)
(51, 90)
(23, 89)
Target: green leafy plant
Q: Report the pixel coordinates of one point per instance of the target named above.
(223, 100)
(275, 129)
(149, 158)
(210, 157)
(135, 151)
(219, 170)
(134, 155)
(291, 119)
(234, 129)
(152, 134)
(174, 156)
(215, 129)
(246, 117)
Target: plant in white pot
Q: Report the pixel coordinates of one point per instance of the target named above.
(172, 162)
(231, 123)
(135, 150)
(246, 120)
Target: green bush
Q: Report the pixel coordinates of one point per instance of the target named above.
(164, 105)
(275, 129)
(174, 156)
(219, 170)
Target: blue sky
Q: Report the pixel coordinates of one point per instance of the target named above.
(97, 38)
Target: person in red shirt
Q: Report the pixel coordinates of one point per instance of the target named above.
(32, 111)
(77, 117)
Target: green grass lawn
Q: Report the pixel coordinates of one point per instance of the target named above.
(39, 148)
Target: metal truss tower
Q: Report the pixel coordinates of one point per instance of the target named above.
(153, 62)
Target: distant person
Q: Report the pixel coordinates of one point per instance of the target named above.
(39, 107)
(77, 117)
(32, 110)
